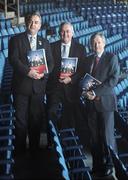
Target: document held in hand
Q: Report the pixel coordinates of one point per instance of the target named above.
(68, 66)
(37, 60)
(89, 82)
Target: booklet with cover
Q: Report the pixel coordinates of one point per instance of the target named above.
(88, 82)
(37, 60)
(68, 66)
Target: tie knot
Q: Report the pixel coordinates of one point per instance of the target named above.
(32, 38)
(64, 46)
(64, 50)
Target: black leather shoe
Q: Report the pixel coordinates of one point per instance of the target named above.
(108, 172)
(104, 173)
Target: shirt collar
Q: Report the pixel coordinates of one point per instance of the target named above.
(99, 54)
(29, 36)
(64, 44)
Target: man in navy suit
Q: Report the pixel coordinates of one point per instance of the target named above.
(65, 89)
(28, 84)
(100, 105)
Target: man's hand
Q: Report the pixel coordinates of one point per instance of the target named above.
(65, 80)
(34, 74)
(90, 95)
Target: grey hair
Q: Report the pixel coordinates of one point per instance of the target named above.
(97, 34)
(66, 23)
(29, 16)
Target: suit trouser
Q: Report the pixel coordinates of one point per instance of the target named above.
(29, 112)
(69, 115)
(101, 125)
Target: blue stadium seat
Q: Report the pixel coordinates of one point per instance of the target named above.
(99, 10)
(2, 23)
(113, 29)
(119, 28)
(104, 9)
(97, 20)
(2, 64)
(119, 86)
(10, 31)
(5, 51)
(22, 28)
(110, 9)
(8, 23)
(109, 18)
(5, 42)
(119, 17)
(4, 32)
(124, 17)
(124, 86)
(103, 19)
(0, 43)
(16, 30)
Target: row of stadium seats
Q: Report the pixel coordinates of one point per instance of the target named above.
(27, 8)
(70, 153)
(6, 141)
(5, 23)
(103, 9)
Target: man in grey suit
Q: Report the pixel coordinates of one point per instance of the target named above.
(28, 84)
(101, 104)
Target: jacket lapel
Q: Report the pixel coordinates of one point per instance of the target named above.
(59, 49)
(25, 41)
(71, 52)
(92, 60)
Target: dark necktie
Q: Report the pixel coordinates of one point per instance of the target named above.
(95, 64)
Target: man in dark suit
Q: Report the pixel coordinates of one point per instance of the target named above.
(100, 105)
(65, 89)
(28, 84)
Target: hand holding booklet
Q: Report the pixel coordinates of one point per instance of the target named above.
(37, 60)
(68, 66)
(88, 83)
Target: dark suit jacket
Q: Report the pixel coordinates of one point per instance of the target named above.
(18, 48)
(69, 91)
(107, 72)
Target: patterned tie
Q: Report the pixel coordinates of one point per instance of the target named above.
(33, 43)
(95, 64)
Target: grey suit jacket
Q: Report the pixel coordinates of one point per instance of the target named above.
(18, 49)
(107, 72)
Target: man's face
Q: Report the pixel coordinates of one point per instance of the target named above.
(34, 25)
(98, 44)
(66, 33)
